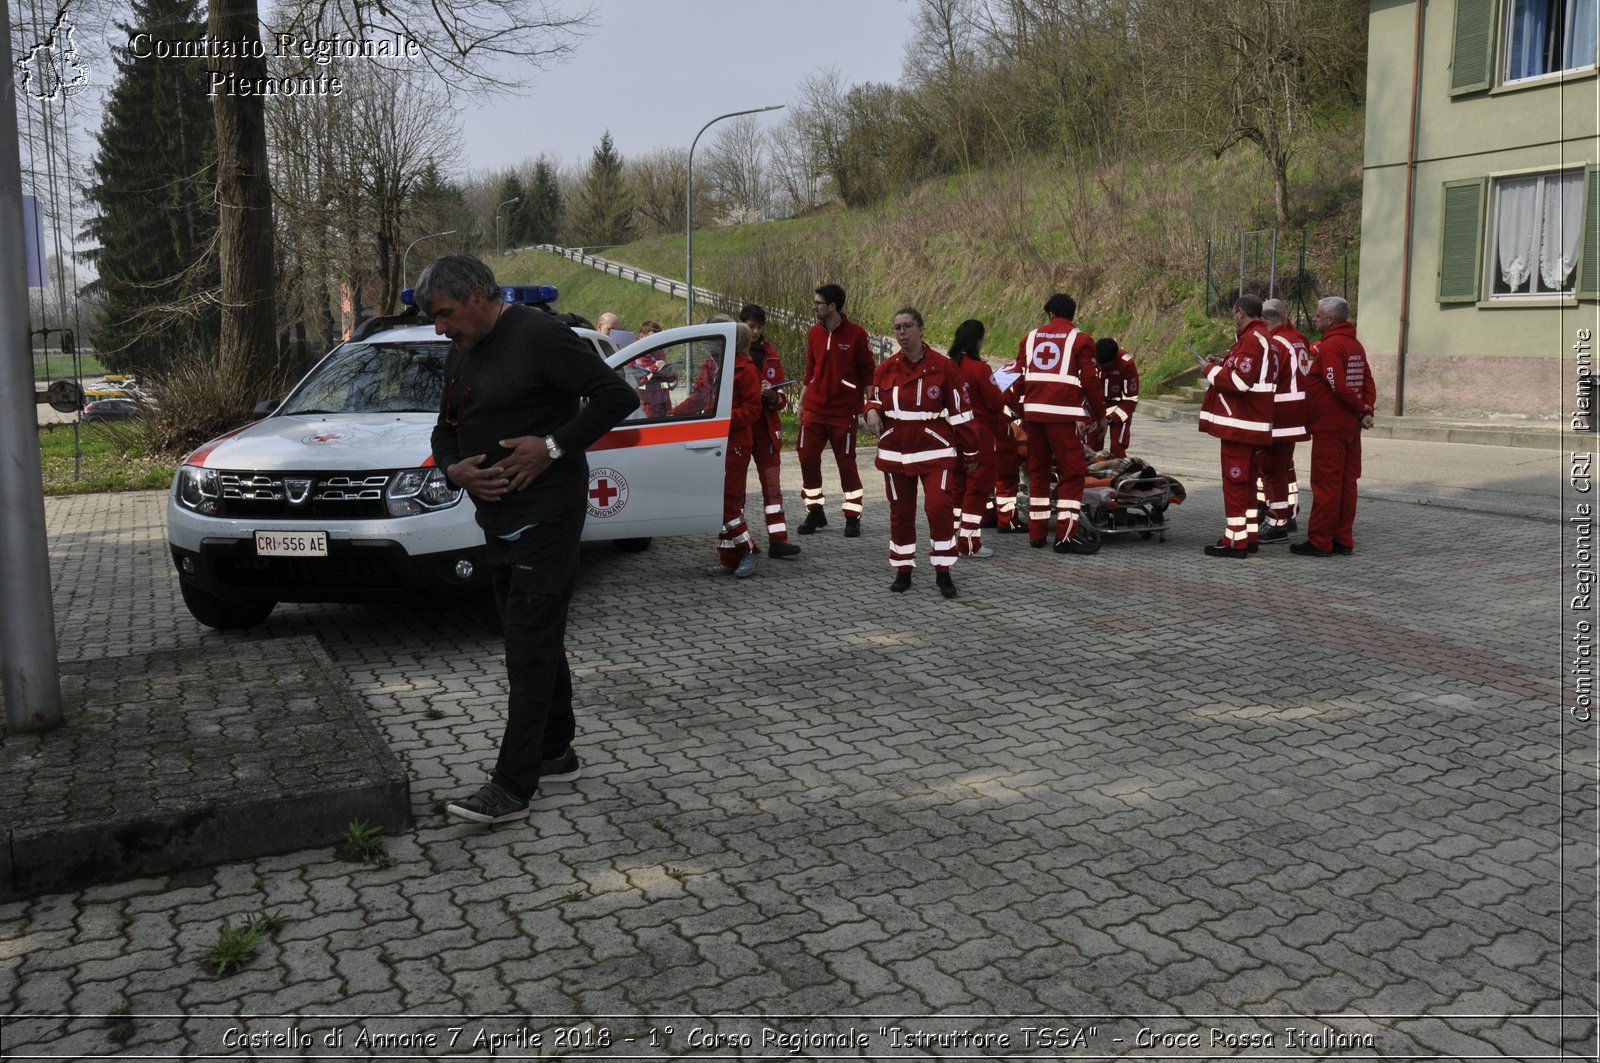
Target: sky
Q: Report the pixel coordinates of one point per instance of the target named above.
(654, 72)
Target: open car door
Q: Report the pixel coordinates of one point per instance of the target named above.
(660, 472)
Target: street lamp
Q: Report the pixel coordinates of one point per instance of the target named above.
(497, 210)
(689, 203)
(404, 276)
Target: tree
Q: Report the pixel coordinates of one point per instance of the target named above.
(602, 210)
(736, 171)
(659, 183)
(540, 214)
(156, 225)
(508, 199)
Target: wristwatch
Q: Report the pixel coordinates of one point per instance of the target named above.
(550, 447)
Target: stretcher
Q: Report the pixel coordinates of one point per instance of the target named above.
(1126, 496)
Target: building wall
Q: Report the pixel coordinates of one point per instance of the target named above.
(1461, 358)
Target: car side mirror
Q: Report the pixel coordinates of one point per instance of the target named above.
(266, 407)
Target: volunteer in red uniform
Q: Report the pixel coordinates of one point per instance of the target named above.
(1060, 393)
(972, 489)
(737, 553)
(654, 377)
(1237, 409)
(1278, 484)
(1007, 453)
(1119, 390)
(838, 373)
(1339, 397)
(924, 429)
(768, 431)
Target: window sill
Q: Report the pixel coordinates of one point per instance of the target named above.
(1545, 80)
(1544, 302)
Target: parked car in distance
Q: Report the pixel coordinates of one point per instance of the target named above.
(113, 410)
(332, 496)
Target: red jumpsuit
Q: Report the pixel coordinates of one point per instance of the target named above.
(1060, 393)
(734, 541)
(1120, 392)
(1339, 394)
(927, 431)
(1279, 486)
(1007, 455)
(838, 373)
(1237, 409)
(768, 440)
(972, 489)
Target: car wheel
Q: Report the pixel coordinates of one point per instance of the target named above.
(632, 546)
(221, 614)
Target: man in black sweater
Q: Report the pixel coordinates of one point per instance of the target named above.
(512, 434)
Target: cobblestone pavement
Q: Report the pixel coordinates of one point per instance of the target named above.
(1094, 807)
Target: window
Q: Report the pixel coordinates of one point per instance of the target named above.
(1548, 37)
(1534, 232)
(676, 382)
(1522, 237)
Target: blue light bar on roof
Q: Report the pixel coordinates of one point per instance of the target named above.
(512, 293)
(530, 293)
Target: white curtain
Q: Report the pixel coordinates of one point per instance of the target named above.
(1530, 24)
(1562, 229)
(1583, 33)
(1517, 229)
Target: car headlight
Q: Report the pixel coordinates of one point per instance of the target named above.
(414, 491)
(197, 489)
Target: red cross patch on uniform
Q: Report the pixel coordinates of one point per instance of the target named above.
(933, 392)
(1244, 364)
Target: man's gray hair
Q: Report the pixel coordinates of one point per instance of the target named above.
(742, 338)
(1276, 311)
(1335, 307)
(454, 277)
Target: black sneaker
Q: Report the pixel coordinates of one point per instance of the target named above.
(815, 519)
(1340, 550)
(1075, 546)
(1037, 544)
(902, 583)
(564, 768)
(1305, 549)
(782, 550)
(491, 804)
(852, 527)
(1218, 550)
(947, 586)
(1274, 536)
(1294, 525)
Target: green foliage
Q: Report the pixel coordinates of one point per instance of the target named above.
(200, 400)
(152, 183)
(236, 946)
(365, 842)
(602, 207)
(539, 216)
(509, 200)
(115, 456)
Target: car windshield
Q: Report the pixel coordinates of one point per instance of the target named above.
(374, 378)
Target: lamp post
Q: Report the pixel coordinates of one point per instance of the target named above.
(404, 276)
(497, 210)
(689, 202)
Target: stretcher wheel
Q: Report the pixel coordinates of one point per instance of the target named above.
(1088, 536)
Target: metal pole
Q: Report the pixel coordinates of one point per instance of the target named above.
(28, 660)
(448, 232)
(497, 210)
(688, 208)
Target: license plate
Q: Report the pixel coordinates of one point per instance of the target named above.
(291, 544)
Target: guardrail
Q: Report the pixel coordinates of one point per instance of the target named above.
(882, 346)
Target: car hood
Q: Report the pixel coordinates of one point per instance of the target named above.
(323, 441)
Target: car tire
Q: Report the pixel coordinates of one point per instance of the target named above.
(632, 546)
(222, 614)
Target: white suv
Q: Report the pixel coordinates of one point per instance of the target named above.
(333, 495)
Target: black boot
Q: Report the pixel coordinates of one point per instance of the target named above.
(947, 586)
(902, 582)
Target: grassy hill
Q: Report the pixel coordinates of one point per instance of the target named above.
(1127, 239)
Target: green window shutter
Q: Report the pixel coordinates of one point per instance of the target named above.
(1589, 250)
(1461, 240)
(1472, 56)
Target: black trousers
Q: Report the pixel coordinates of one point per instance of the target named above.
(534, 577)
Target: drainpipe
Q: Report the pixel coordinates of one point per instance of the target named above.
(1405, 254)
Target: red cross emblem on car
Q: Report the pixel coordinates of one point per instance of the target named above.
(602, 492)
(608, 492)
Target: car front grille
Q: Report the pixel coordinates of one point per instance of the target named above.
(304, 496)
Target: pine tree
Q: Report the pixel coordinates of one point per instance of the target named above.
(602, 209)
(152, 181)
(506, 210)
(539, 215)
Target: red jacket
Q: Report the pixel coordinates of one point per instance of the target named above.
(1238, 404)
(1120, 386)
(838, 372)
(1059, 379)
(746, 402)
(770, 369)
(981, 395)
(1339, 389)
(926, 422)
(1289, 404)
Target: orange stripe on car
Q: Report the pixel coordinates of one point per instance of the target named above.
(619, 438)
(199, 456)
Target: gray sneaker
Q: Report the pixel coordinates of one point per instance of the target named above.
(564, 768)
(982, 551)
(749, 565)
(491, 804)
